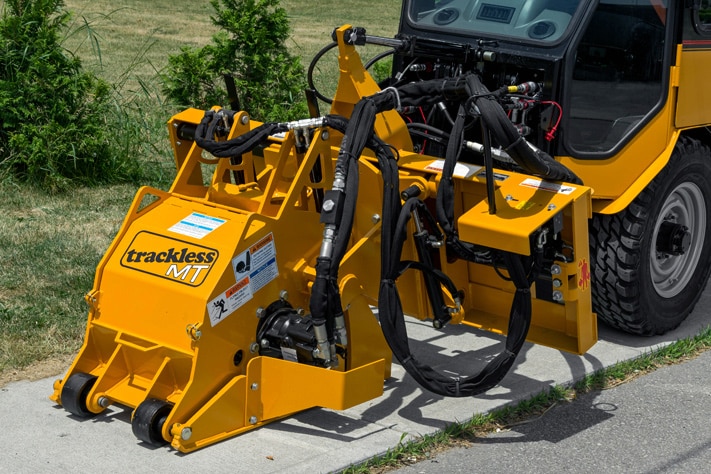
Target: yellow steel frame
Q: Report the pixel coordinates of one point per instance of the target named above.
(155, 329)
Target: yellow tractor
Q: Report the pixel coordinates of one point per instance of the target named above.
(529, 167)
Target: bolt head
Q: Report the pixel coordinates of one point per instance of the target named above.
(253, 420)
(186, 433)
(328, 205)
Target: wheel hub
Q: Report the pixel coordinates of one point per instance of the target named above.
(678, 239)
(673, 239)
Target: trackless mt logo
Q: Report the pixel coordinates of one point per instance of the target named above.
(173, 259)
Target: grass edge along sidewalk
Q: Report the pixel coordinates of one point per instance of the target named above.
(461, 434)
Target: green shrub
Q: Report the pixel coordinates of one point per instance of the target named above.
(251, 48)
(55, 119)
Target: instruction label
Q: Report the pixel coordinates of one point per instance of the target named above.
(259, 262)
(461, 170)
(497, 176)
(547, 186)
(254, 269)
(197, 225)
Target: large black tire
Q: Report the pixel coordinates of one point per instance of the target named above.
(651, 261)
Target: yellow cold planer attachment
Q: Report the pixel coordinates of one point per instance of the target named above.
(244, 294)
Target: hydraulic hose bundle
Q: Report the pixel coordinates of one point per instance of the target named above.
(393, 235)
(338, 212)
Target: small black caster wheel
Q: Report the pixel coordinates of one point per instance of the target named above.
(148, 420)
(74, 393)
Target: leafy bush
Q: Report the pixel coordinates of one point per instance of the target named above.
(251, 48)
(55, 119)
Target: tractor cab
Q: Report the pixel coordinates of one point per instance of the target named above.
(602, 67)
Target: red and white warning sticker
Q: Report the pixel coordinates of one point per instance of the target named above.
(254, 268)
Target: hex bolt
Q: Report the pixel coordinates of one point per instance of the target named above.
(104, 402)
(245, 119)
(194, 331)
(254, 348)
(186, 433)
(283, 295)
(375, 218)
(253, 420)
(555, 269)
(264, 343)
(178, 143)
(254, 386)
(557, 296)
(260, 312)
(328, 205)
(324, 135)
(551, 207)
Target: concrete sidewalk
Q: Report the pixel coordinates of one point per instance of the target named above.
(38, 436)
(653, 424)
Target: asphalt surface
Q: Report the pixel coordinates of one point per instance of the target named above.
(614, 430)
(658, 423)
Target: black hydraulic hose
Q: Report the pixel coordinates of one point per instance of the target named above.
(444, 203)
(310, 71)
(534, 162)
(394, 329)
(325, 303)
(205, 137)
(429, 128)
(378, 57)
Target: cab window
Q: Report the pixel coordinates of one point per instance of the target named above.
(702, 17)
(617, 75)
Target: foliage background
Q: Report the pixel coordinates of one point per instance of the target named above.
(51, 243)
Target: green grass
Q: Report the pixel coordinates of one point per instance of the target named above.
(50, 244)
(458, 434)
(136, 36)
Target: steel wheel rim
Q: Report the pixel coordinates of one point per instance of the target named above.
(685, 206)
